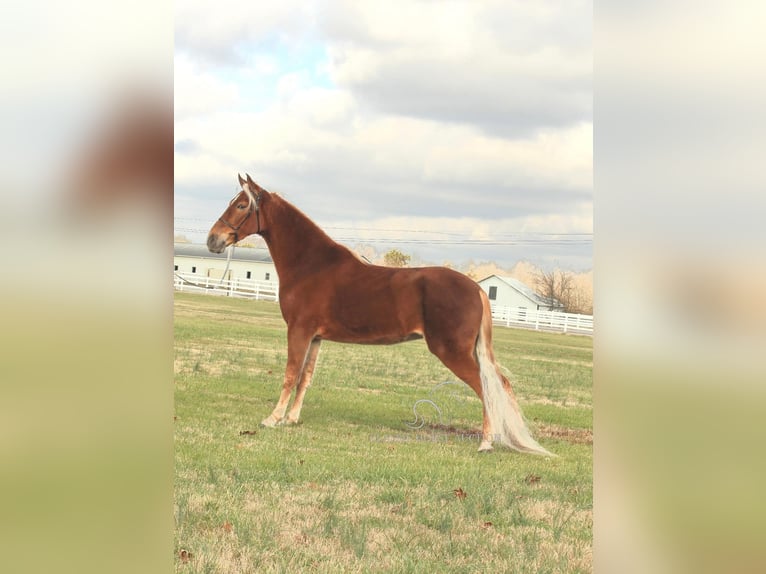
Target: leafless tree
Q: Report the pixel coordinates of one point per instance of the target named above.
(558, 285)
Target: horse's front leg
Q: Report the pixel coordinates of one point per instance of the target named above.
(298, 344)
(303, 385)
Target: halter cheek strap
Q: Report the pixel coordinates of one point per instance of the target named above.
(249, 213)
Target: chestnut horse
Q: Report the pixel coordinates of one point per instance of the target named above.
(326, 292)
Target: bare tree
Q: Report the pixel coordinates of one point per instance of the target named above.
(561, 286)
(552, 285)
(580, 301)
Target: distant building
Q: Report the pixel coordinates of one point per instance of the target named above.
(511, 292)
(246, 262)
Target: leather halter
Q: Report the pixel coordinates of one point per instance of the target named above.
(249, 213)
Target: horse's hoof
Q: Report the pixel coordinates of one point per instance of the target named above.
(485, 446)
(269, 422)
(291, 422)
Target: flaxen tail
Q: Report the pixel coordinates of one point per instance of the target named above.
(508, 426)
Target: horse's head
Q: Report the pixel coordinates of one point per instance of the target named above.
(241, 218)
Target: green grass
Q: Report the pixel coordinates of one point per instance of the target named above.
(353, 488)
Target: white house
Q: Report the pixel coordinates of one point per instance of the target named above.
(510, 292)
(246, 262)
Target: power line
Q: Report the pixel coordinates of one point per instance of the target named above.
(511, 235)
(465, 242)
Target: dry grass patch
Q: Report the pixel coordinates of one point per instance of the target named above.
(344, 527)
(572, 435)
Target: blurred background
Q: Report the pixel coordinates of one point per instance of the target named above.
(680, 287)
(86, 219)
(86, 300)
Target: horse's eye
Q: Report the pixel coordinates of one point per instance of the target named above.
(241, 206)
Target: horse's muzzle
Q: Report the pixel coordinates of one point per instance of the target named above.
(216, 243)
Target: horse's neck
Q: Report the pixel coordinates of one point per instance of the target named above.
(297, 245)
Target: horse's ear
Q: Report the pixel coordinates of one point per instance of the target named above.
(242, 181)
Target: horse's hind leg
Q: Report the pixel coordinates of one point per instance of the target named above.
(461, 360)
(298, 346)
(303, 385)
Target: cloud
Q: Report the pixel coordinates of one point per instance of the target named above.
(219, 34)
(508, 68)
(459, 113)
(399, 163)
(198, 92)
(403, 163)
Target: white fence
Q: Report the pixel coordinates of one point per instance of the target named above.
(542, 320)
(248, 288)
(506, 316)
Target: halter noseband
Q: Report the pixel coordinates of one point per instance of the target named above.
(249, 213)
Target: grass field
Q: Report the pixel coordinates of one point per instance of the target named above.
(355, 488)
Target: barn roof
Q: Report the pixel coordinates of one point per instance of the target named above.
(528, 292)
(259, 255)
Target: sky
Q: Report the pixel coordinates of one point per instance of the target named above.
(452, 131)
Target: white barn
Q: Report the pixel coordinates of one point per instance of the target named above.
(246, 262)
(510, 292)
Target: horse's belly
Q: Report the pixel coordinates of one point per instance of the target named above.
(369, 337)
